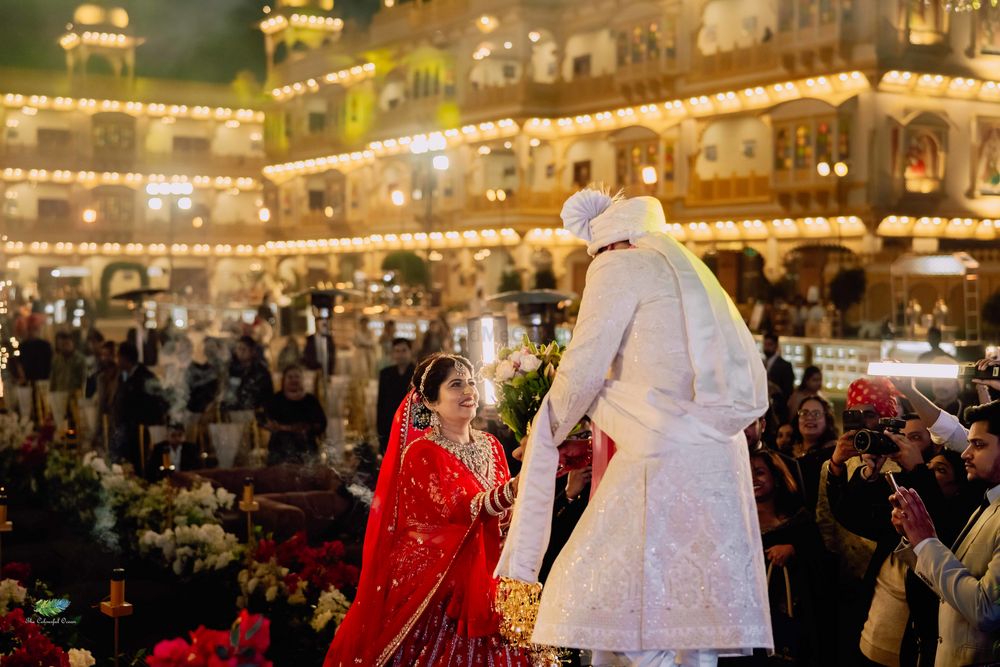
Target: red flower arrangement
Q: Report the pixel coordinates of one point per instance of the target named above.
(20, 572)
(30, 647)
(322, 566)
(242, 646)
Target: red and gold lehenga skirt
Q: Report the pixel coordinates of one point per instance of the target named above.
(435, 641)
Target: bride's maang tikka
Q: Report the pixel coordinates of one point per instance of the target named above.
(466, 365)
(421, 414)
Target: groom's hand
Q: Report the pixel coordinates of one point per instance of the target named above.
(522, 449)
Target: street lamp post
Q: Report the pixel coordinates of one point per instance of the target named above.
(174, 196)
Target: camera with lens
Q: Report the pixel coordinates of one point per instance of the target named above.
(969, 372)
(854, 420)
(875, 441)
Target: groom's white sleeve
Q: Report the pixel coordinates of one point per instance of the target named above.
(606, 311)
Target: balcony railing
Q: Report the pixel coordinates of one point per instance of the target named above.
(399, 23)
(33, 157)
(528, 202)
(735, 189)
(738, 61)
(71, 228)
(647, 69)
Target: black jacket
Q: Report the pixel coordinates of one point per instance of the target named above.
(250, 387)
(190, 459)
(781, 374)
(138, 400)
(392, 388)
(311, 360)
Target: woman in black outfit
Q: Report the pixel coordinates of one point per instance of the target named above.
(295, 419)
(793, 551)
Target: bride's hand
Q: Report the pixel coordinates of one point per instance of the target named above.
(522, 449)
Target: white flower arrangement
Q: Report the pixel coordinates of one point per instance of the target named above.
(522, 376)
(14, 430)
(333, 606)
(269, 577)
(11, 593)
(80, 657)
(199, 505)
(192, 549)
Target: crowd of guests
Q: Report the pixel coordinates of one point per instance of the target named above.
(167, 384)
(850, 582)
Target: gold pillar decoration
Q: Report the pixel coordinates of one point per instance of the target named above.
(249, 505)
(115, 606)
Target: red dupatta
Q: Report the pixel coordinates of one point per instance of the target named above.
(425, 531)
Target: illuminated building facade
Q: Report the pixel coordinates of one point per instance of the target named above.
(816, 133)
(785, 138)
(110, 181)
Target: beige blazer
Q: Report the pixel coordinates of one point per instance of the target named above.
(968, 584)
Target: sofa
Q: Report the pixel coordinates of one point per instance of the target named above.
(292, 498)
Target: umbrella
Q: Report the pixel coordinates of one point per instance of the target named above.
(138, 294)
(533, 296)
(330, 292)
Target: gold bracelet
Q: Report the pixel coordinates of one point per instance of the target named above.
(508, 493)
(517, 605)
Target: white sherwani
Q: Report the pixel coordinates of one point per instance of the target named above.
(668, 554)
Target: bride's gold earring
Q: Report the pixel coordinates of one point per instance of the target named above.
(435, 420)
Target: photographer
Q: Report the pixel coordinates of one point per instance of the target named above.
(901, 625)
(946, 430)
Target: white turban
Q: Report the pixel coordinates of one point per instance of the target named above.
(600, 219)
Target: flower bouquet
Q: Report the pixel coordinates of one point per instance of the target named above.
(522, 376)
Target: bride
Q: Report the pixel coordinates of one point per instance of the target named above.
(434, 535)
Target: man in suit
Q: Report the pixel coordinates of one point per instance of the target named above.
(901, 612)
(779, 371)
(393, 383)
(966, 577)
(320, 352)
(183, 455)
(138, 401)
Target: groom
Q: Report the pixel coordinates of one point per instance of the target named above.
(665, 567)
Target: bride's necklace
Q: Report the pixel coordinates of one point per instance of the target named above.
(476, 455)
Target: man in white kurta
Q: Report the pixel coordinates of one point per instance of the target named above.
(666, 565)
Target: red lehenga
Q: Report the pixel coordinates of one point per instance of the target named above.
(432, 543)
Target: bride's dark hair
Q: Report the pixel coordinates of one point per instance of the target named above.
(432, 371)
(427, 379)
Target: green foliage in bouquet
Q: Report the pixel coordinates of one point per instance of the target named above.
(73, 490)
(522, 376)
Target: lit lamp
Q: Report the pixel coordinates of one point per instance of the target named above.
(5, 525)
(926, 371)
(486, 335)
(115, 606)
(166, 464)
(649, 175)
(249, 505)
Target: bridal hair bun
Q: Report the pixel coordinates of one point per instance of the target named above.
(583, 207)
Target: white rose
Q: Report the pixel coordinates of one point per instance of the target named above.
(515, 357)
(320, 620)
(79, 657)
(530, 362)
(505, 370)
